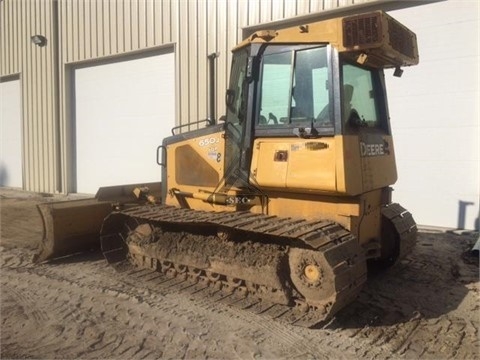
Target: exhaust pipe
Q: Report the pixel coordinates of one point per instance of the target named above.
(211, 116)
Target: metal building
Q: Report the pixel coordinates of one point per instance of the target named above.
(88, 89)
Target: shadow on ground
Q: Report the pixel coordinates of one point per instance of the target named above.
(431, 282)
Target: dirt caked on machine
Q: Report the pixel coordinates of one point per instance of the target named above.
(284, 201)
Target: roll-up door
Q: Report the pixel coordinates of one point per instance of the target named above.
(123, 110)
(10, 134)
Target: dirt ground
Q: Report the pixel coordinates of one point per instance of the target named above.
(428, 306)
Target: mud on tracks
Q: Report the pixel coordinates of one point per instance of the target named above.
(427, 306)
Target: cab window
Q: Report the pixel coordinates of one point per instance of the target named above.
(294, 89)
(360, 98)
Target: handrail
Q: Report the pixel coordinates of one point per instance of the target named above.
(208, 121)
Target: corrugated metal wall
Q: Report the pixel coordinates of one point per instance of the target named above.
(89, 29)
(19, 20)
(93, 29)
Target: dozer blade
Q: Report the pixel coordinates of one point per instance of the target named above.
(70, 227)
(74, 226)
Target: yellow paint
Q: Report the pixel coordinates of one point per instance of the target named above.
(379, 54)
(342, 178)
(312, 179)
(309, 164)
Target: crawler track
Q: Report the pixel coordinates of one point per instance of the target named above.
(405, 228)
(299, 271)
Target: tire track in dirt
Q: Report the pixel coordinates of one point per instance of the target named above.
(410, 310)
(85, 324)
(443, 339)
(286, 340)
(135, 308)
(284, 336)
(15, 258)
(27, 302)
(88, 310)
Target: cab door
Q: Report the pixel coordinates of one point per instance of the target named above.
(237, 136)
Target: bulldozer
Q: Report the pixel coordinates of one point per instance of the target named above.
(283, 201)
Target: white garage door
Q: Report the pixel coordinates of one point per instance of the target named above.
(10, 134)
(435, 116)
(123, 110)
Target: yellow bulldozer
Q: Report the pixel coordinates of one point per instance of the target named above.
(282, 202)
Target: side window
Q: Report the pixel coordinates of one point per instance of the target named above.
(276, 78)
(236, 93)
(359, 107)
(320, 93)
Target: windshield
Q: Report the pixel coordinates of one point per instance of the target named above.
(295, 89)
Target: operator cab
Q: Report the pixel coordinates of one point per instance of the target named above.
(307, 91)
